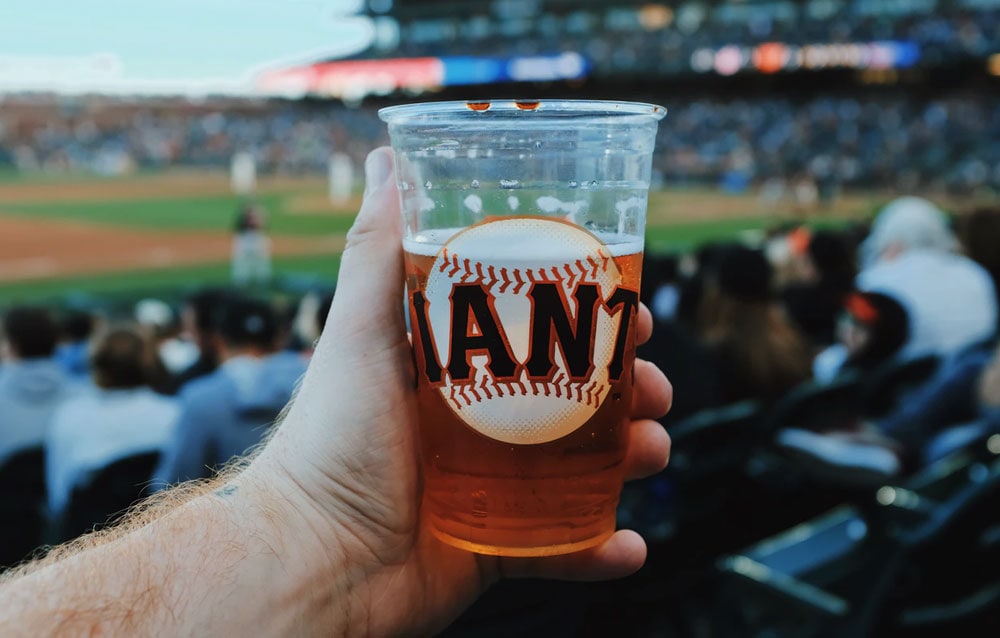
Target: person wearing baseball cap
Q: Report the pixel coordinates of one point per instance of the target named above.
(873, 328)
(225, 413)
(912, 255)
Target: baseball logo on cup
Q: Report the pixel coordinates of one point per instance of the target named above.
(522, 327)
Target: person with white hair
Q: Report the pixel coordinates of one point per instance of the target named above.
(911, 255)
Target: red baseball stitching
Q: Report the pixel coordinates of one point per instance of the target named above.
(515, 279)
(465, 394)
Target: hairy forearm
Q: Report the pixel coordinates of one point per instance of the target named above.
(209, 564)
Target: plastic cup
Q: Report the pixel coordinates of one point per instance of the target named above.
(523, 234)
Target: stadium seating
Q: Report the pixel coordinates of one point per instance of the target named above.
(819, 406)
(22, 484)
(889, 383)
(714, 439)
(845, 573)
(107, 495)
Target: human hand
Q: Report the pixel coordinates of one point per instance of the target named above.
(346, 455)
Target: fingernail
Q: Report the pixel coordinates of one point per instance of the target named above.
(378, 169)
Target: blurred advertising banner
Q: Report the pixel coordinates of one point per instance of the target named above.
(355, 79)
(775, 57)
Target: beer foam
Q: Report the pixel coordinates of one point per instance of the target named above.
(429, 242)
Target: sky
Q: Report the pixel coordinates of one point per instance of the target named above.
(168, 46)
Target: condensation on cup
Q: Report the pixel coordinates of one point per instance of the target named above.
(523, 236)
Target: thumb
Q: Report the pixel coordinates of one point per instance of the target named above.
(365, 329)
(369, 293)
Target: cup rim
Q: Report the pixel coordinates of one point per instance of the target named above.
(534, 109)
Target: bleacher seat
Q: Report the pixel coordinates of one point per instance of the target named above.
(956, 438)
(713, 439)
(818, 406)
(22, 483)
(108, 494)
(890, 382)
(904, 561)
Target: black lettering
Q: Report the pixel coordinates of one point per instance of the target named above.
(628, 301)
(551, 323)
(427, 353)
(472, 307)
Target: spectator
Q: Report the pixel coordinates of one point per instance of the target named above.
(910, 255)
(824, 275)
(228, 411)
(155, 317)
(121, 418)
(674, 346)
(873, 329)
(759, 353)
(72, 353)
(691, 365)
(198, 321)
(694, 270)
(32, 384)
(660, 290)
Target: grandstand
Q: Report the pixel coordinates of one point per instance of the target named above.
(831, 476)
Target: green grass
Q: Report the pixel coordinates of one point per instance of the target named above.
(216, 213)
(685, 236)
(322, 268)
(212, 213)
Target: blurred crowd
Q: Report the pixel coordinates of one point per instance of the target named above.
(111, 138)
(835, 425)
(656, 39)
(817, 307)
(119, 405)
(893, 140)
(906, 144)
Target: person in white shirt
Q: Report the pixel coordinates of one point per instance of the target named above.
(32, 383)
(120, 417)
(911, 256)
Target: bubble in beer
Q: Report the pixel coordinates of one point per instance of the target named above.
(474, 203)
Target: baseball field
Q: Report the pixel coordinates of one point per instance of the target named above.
(151, 233)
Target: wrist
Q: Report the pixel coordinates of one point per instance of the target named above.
(291, 554)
